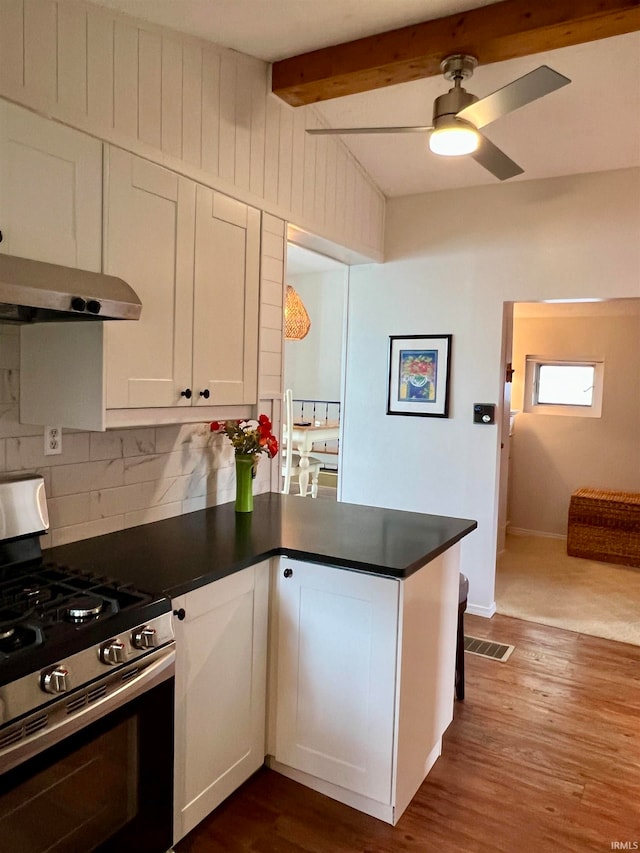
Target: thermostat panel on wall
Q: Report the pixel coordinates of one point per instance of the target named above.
(484, 413)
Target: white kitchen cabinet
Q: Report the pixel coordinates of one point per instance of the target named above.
(221, 665)
(149, 226)
(192, 255)
(336, 678)
(50, 191)
(51, 210)
(226, 285)
(362, 679)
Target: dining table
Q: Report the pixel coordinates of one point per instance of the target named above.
(306, 433)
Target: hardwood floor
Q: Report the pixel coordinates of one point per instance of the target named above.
(543, 755)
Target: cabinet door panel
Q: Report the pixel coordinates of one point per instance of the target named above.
(337, 646)
(149, 243)
(220, 691)
(50, 191)
(226, 278)
(51, 210)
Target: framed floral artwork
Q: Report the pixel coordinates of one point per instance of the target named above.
(419, 374)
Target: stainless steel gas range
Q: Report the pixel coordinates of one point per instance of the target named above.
(86, 698)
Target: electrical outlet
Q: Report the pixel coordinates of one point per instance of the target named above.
(52, 440)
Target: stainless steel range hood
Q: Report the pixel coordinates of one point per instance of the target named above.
(33, 291)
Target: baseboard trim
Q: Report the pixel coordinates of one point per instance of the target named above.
(542, 534)
(480, 610)
(383, 811)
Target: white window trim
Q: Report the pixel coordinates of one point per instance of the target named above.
(531, 372)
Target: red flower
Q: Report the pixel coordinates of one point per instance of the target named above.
(248, 437)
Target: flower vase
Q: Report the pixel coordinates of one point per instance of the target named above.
(245, 473)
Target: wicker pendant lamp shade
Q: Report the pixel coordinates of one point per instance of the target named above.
(296, 319)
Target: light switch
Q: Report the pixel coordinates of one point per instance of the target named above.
(484, 413)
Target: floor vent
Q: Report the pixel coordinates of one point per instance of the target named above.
(487, 649)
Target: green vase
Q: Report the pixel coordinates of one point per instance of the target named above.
(245, 472)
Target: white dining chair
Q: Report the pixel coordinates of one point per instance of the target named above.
(291, 458)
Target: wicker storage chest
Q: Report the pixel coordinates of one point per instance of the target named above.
(605, 526)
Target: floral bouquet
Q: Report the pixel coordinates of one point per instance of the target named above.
(249, 437)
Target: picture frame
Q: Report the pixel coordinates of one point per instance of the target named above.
(419, 375)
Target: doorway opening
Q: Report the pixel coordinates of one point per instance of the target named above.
(547, 455)
(314, 364)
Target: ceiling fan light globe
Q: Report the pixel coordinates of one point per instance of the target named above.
(454, 141)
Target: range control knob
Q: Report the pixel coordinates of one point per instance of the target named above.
(113, 652)
(93, 306)
(78, 303)
(144, 638)
(55, 679)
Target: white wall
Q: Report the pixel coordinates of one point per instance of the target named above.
(552, 455)
(453, 259)
(313, 366)
(190, 105)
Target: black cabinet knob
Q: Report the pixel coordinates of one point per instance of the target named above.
(186, 393)
(93, 306)
(288, 573)
(78, 303)
(180, 613)
(1, 236)
(206, 393)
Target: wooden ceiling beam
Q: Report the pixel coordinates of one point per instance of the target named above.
(504, 30)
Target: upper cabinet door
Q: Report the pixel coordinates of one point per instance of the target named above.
(149, 224)
(226, 279)
(50, 191)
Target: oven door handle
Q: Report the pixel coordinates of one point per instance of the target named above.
(161, 669)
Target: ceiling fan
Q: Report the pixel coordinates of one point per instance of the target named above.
(458, 115)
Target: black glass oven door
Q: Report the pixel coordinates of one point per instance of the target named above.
(107, 788)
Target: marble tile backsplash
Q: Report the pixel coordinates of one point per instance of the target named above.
(102, 482)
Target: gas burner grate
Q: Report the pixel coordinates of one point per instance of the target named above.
(51, 589)
(19, 637)
(42, 603)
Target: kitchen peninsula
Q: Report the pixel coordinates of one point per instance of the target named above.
(357, 607)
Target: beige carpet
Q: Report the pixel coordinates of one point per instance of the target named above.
(536, 581)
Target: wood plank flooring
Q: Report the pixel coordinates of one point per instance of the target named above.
(542, 755)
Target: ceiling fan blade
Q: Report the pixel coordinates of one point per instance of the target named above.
(514, 95)
(330, 131)
(495, 161)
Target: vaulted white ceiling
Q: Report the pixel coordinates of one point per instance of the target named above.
(591, 125)
(276, 29)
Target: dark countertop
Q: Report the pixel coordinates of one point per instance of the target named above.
(179, 554)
